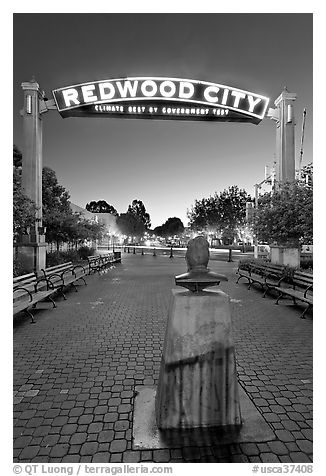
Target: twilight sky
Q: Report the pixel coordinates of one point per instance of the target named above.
(166, 164)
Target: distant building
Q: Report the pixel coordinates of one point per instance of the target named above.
(83, 212)
(110, 221)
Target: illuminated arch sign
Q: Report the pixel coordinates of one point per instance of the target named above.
(161, 98)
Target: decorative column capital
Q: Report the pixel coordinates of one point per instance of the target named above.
(30, 85)
(285, 96)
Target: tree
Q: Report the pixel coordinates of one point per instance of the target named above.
(55, 198)
(57, 214)
(18, 157)
(306, 174)
(62, 225)
(24, 209)
(137, 208)
(223, 214)
(158, 230)
(58, 217)
(130, 224)
(231, 211)
(198, 215)
(285, 217)
(172, 226)
(81, 229)
(101, 206)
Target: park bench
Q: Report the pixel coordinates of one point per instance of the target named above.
(266, 275)
(94, 264)
(106, 260)
(28, 290)
(64, 275)
(301, 289)
(99, 262)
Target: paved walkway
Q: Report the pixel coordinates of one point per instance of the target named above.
(75, 370)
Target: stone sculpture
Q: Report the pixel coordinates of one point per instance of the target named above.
(198, 381)
(198, 276)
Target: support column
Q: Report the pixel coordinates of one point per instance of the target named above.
(285, 144)
(32, 247)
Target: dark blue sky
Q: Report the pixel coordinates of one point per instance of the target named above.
(165, 164)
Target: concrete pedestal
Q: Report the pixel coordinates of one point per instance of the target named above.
(31, 252)
(285, 256)
(198, 382)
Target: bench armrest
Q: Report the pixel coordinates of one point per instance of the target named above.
(309, 288)
(24, 289)
(79, 266)
(48, 283)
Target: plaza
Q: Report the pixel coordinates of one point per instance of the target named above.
(77, 367)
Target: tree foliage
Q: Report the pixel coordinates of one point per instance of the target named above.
(101, 206)
(130, 225)
(57, 213)
(62, 225)
(137, 208)
(285, 217)
(24, 209)
(306, 174)
(17, 157)
(172, 226)
(223, 213)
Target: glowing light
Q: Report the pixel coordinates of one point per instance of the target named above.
(183, 90)
(29, 104)
(103, 87)
(237, 96)
(70, 96)
(252, 102)
(208, 93)
(171, 89)
(152, 88)
(127, 88)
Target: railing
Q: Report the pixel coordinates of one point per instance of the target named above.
(224, 254)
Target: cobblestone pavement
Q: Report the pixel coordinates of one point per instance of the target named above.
(75, 370)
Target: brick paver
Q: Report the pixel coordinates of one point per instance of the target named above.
(76, 369)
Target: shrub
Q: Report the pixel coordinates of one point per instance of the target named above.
(85, 251)
(19, 268)
(59, 257)
(307, 264)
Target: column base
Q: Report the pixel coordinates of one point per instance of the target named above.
(146, 434)
(31, 253)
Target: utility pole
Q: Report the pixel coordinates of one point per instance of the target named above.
(302, 139)
(270, 179)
